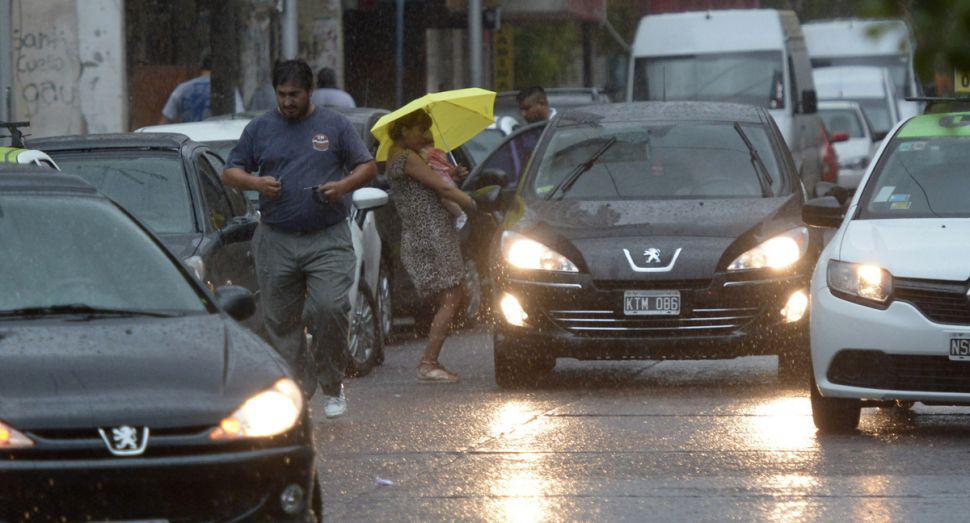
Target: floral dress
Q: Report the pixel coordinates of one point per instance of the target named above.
(429, 242)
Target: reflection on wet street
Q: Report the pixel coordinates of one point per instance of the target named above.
(659, 441)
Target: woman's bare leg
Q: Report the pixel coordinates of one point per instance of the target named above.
(448, 302)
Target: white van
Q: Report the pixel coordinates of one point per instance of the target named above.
(870, 87)
(752, 56)
(881, 43)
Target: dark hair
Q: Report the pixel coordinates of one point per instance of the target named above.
(293, 72)
(408, 121)
(529, 92)
(326, 78)
(206, 62)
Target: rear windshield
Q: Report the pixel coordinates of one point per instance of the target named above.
(842, 121)
(920, 178)
(149, 184)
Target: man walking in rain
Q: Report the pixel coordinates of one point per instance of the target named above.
(302, 248)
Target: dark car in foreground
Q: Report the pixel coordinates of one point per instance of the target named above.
(172, 185)
(127, 389)
(652, 231)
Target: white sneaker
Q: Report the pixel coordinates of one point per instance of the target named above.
(335, 406)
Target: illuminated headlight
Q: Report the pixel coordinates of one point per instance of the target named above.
(198, 267)
(854, 163)
(512, 310)
(795, 307)
(867, 282)
(12, 439)
(779, 252)
(525, 253)
(269, 413)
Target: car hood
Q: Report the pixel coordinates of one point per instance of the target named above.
(911, 248)
(182, 245)
(704, 231)
(158, 372)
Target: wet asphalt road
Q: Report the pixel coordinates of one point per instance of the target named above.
(627, 441)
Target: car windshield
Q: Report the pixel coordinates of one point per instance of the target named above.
(877, 112)
(842, 121)
(149, 184)
(754, 78)
(483, 143)
(897, 65)
(920, 179)
(79, 251)
(692, 160)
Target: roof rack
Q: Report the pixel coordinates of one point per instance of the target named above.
(16, 135)
(938, 98)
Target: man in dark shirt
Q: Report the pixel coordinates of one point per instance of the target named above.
(302, 248)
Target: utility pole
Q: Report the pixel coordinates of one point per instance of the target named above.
(224, 45)
(475, 43)
(291, 30)
(6, 61)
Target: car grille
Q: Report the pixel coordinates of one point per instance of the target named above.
(878, 370)
(942, 302)
(697, 322)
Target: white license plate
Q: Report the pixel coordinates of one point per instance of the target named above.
(651, 303)
(960, 347)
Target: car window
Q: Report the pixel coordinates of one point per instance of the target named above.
(483, 143)
(920, 178)
(688, 160)
(842, 121)
(236, 199)
(149, 184)
(511, 157)
(218, 209)
(84, 251)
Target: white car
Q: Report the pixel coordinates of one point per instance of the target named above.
(852, 138)
(367, 327)
(890, 313)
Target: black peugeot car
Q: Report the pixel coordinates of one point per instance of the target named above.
(127, 389)
(652, 231)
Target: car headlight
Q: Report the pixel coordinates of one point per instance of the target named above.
(13, 439)
(854, 163)
(525, 253)
(198, 267)
(866, 283)
(779, 252)
(269, 413)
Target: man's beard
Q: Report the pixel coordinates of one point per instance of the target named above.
(301, 114)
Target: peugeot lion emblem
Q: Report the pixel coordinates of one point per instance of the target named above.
(652, 254)
(125, 440)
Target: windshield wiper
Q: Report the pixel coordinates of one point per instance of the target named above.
(759, 166)
(568, 182)
(83, 309)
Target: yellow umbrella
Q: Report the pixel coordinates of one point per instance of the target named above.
(457, 117)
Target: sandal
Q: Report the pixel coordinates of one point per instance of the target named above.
(433, 372)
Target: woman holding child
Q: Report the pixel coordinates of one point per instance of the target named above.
(427, 201)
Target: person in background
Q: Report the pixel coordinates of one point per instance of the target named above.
(302, 248)
(328, 94)
(191, 101)
(534, 105)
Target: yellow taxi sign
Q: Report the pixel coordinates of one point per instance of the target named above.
(961, 81)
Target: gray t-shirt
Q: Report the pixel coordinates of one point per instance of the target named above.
(321, 148)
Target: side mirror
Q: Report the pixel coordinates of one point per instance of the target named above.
(839, 137)
(487, 198)
(823, 212)
(809, 101)
(369, 198)
(239, 229)
(237, 301)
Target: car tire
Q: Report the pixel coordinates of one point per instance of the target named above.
(834, 415)
(795, 360)
(385, 303)
(365, 348)
(517, 366)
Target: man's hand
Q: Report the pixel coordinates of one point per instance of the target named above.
(333, 191)
(268, 186)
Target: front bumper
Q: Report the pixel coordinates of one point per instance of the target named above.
(576, 317)
(230, 486)
(892, 354)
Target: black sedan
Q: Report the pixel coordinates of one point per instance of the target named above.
(652, 231)
(172, 185)
(127, 389)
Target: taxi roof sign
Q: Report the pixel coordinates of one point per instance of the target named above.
(940, 125)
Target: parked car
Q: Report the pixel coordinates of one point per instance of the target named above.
(870, 87)
(853, 139)
(879, 43)
(172, 184)
(748, 56)
(652, 230)
(116, 362)
(830, 157)
(890, 302)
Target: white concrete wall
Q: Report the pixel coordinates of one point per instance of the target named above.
(69, 66)
(322, 36)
